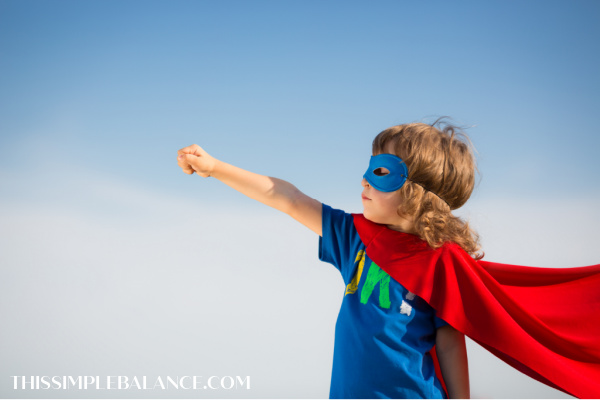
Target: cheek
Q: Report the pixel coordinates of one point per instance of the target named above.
(391, 201)
(391, 211)
(385, 205)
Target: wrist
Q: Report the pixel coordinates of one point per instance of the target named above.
(216, 168)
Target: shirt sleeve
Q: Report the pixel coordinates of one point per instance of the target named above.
(340, 240)
(438, 322)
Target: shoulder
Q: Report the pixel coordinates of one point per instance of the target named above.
(338, 225)
(333, 216)
(451, 256)
(456, 250)
(450, 248)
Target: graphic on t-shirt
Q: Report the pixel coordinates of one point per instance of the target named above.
(353, 285)
(375, 276)
(405, 308)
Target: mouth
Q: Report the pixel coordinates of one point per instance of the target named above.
(365, 197)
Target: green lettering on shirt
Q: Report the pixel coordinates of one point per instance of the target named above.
(374, 276)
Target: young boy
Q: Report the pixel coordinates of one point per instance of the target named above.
(413, 285)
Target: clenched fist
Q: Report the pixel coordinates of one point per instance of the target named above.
(194, 159)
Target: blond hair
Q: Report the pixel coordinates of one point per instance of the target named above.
(441, 177)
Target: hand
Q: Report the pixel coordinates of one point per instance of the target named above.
(194, 159)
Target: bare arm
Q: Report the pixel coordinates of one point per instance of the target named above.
(452, 355)
(273, 192)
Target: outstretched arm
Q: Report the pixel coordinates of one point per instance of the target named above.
(452, 354)
(273, 192)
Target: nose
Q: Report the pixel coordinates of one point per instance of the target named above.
(364, 183)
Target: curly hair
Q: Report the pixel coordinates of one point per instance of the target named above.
(441, 177)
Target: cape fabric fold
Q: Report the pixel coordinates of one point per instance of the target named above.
(545, 322)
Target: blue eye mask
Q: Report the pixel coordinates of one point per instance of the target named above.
(388, 182)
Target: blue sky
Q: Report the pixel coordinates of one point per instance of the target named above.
(270, 79)
(96, 97)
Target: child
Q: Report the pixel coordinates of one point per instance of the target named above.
(414, 285)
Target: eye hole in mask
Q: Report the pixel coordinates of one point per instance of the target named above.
(381, 171)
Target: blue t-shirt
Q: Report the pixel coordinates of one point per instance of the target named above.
(383, 333)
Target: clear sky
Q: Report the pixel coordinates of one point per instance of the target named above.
(96, 97)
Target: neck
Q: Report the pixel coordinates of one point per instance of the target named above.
(403, 225)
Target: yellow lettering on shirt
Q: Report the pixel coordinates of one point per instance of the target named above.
(353, 285)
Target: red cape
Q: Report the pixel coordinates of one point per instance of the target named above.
(545, 322)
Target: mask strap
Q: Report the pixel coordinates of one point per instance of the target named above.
(427, 190)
